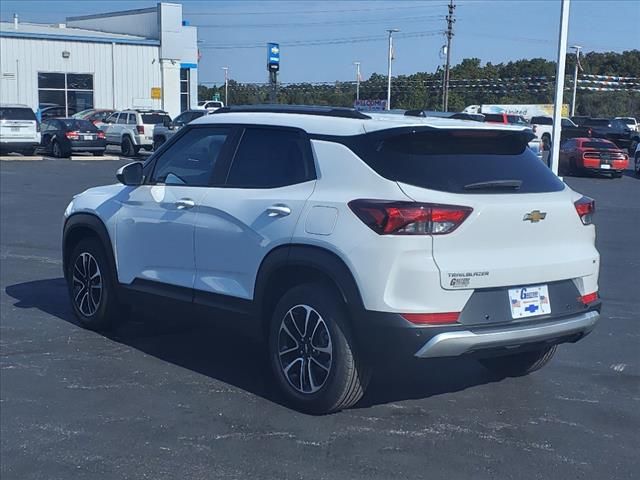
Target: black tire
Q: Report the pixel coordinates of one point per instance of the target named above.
(101, 311)
(341, 382)
(127, 148)
(57, 150)
(98, 154)
(519, 364)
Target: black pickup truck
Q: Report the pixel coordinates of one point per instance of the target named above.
(615, 130)
(543, 127)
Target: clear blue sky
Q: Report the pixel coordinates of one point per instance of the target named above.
(492, 30)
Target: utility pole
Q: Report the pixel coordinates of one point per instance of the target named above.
(560, 68)
(226, 86)
(391, 32)
(357, 64)
(450, 22)
(575, 78)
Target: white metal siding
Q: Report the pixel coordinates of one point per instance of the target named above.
(137, 70)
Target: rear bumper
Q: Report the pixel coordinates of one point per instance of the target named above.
(9, 144)
(452, 344)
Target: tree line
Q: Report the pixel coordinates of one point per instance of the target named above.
(521, 81)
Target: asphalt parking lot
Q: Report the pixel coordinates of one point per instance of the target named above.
(168, 397)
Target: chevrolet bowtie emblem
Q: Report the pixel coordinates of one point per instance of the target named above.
(534, 216)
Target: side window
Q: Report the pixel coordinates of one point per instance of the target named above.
(269, 158)
(131, 119)
(191, 159)
(122, 118)
(183, 118)
(113, 118)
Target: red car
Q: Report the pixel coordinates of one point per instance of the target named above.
(593, 155)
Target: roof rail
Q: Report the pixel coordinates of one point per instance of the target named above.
(323, 111)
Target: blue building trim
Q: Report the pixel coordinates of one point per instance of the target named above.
(188, 65)
(79, 38)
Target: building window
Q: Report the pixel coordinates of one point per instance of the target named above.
(71, 91)
(184, 89)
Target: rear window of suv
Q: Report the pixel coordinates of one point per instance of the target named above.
(154, 118)
(79, 125)
(11, 113)
(458, 161)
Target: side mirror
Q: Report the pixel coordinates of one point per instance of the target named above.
(130, 174)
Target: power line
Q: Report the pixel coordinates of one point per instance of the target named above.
(313, 12)
(423, 18)
(328, 41)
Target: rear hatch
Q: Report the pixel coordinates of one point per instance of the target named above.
(82, 133)
(19, 124)
(524, 228)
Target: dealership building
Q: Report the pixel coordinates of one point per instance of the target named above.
(145, 58)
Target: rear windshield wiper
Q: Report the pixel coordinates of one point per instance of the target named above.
(495, 185)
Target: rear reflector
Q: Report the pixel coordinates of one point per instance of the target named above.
(585, 207)
(409, 218)
(432, 318)
(589, 298)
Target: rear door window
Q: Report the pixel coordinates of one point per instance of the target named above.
(271, 158)
(458, 161)
(11, 113)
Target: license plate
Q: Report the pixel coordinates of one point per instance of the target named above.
(605, 166)
(87, 137)
(529, 301)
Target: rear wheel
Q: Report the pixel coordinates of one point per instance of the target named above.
(312, 351)
(92, 286)
(128, 148)
(57, 151)
(519, 364)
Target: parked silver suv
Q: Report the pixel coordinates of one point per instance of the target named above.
(133, 129)
(163, 132)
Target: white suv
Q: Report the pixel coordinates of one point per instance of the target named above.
(19, 129)
(133, 129)
(344, 239)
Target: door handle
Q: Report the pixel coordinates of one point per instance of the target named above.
(278, 210)
(185, 203)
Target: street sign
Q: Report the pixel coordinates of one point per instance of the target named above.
(370, 105)
(156, 93)
(273, 57)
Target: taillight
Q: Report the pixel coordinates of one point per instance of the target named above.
(432, 318)
(586, 207)
(72, 135)
(140, 129)
(588, 298)
(409, 218)
(101, 134)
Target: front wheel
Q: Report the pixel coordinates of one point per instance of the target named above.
(312, 351)
(519, 364)
(92, 286)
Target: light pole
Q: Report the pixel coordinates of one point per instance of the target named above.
(560, 67)
(226, 86)
(391, 32)
(357, 64)
(575, 79)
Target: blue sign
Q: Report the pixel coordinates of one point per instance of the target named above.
(273, 57)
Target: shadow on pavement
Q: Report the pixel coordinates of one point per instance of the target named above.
(204, 346)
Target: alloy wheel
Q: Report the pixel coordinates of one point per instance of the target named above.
(87, 284)
(305, 350)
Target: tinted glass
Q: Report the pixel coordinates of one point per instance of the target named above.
(191, 159)
(565, 122)
(51, 80)
(10, 113)
(450, 160)
(112, 118)
(268, 158)
(131, 119)
(77, 100)
(154, 118)
(542, 120)
(79, 125)
(516, 120)
(493, 117)
(183, 118)
(600, 145)
(122, 119)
